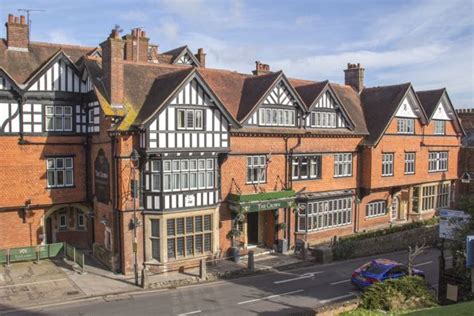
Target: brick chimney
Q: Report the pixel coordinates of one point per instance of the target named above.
(354, 77)
(17, 33)
(136, 46)
(261, 69)
(153, 54)
(201, 57)
(112, 66)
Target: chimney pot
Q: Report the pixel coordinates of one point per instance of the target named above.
(143, 34)
(22, 20)
(11, 18)
(261, 68)
(16, 20)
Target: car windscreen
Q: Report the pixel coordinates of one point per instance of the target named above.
(375, 269)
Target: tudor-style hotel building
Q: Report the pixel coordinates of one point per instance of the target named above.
(110, 146)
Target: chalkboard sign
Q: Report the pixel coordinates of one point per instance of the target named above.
(299, 247)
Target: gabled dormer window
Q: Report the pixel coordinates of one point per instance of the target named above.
(189, 119)
(405, 126)
(323, 119)
(276, 117)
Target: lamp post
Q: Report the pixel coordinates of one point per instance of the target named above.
(135, 158)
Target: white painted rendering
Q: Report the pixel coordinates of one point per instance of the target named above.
(406, 109)
(441, 112)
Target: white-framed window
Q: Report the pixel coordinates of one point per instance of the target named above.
(276, 117)
(431, 196)
(439, 127)
(405, 126)
(81, 221)
(60, 172)
(323, 119)
(58, 118)
(306, 167)
(190, 119)
(376, 208)
(410, 163)
(155, 239)
(437, 161)
(155, 175)
(62, 221)
(189, 236)
(387, 164)
(189, 174)
(343, 165)
(324, 214)
(256, 169)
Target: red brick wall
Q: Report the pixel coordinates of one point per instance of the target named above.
(399, 144)
(24, 171)
(15, 233)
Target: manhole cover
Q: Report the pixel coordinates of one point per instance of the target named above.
(72, 293)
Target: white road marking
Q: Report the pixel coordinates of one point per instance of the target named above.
(303, 276)
(339, 282)
(423, 264)
(37, 282)
(268, 297)
(190, 313)
(329, 300)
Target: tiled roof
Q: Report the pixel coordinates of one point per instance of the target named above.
(353, 106)
(429, 100)
(309, 91)
(379, 105)
(21, 65)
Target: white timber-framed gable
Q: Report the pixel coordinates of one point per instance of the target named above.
(186, 57)
(327, 111)
(59, 74)
(445, 112)
(410, 106)
(280, 106)
(191, 119)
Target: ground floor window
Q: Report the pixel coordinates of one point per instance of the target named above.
(155, 239)
(323, 214)
(430, 197)
(189, 236)
(377, 208)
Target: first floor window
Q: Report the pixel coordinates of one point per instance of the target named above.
(343, 165)
(306, 167)
(58, 118)
(256, 169)
(439, 127)
(186, 174)
(155, 239)
(437, 161)
(410, 163)
(189, 236)
(406, 126)
(190, 119)
(318, 215)
(377, 208)
(430, 197)
(387, 164)
(60, 172)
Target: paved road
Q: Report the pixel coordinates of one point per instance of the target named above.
(284, 292)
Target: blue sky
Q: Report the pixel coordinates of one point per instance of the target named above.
(430, 43)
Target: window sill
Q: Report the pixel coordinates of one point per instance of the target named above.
(376, 216)
(348, 176)
(56, 188)
(308, 179)
(409, 174)
(387, 175)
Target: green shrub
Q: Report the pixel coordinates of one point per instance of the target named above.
(399, 294)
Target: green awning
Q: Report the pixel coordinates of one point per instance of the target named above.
(261, 201)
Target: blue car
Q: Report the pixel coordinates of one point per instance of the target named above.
(379, 270)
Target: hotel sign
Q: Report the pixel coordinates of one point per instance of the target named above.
(101, 177)
(261, 206)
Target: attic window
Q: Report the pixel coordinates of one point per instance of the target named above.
(190, 119)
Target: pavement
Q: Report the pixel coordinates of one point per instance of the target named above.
(276, 291)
